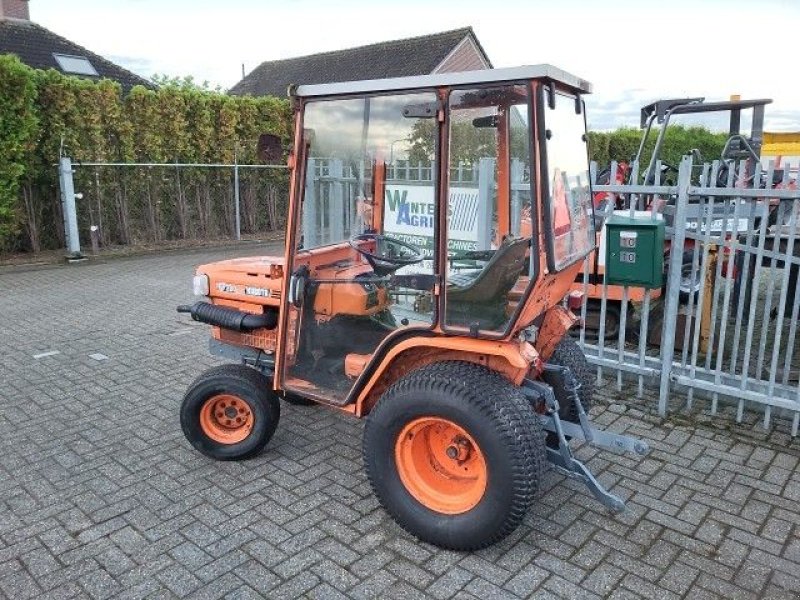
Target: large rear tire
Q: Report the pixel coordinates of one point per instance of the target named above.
(455, 453)
(230, 412)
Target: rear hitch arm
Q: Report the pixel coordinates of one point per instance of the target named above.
(561, 458)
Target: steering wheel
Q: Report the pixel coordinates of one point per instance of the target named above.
(389, 255)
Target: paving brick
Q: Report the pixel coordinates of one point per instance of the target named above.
(450, 582)
(101, 496)
(527, 581)
(19, 585)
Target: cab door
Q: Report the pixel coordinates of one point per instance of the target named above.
(362, 266)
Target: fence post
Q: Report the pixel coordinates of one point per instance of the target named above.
(236, 196)
(517, 174)
(485, 212)
(673, 283)
(337, 225)
(68, 203)
(309, 207)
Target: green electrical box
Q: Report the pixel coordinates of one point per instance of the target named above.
(634, 252)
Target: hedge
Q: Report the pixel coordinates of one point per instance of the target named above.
(622, 144)
(44, 114)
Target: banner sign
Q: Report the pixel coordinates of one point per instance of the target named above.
(409, 215)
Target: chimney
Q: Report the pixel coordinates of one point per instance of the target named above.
(14, 9)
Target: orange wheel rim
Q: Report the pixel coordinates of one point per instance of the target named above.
(226, 419)
(440, 465)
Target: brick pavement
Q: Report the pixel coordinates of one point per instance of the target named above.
(100, 496)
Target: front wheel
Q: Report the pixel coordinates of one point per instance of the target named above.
(230, 412)
(455, 454)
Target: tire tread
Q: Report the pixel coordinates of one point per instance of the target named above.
(495, 399)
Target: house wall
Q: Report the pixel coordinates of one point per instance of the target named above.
(15, 9)
(464, 57)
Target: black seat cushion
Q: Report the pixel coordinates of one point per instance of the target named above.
(480, 297)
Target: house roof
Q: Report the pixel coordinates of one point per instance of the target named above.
(35, 46)
(396, 58)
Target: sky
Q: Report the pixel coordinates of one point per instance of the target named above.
(633, 51)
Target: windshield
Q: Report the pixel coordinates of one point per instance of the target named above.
(369, 161)
(570, 221)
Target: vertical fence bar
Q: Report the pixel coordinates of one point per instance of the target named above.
(517, 174)
(623, 323)
(729, 269)
(585, 299)
(788, 255)
(696, 316)
(655, 201)
(784, 257)
(337, 199)
(673, 285)
(623, 309)
(744, 280)
(694, 268)
(485, 212)
(601, 332)
(766, 316)
(771, 283)
(310, 205)
(756, 282)
(794, 315)
(237, 197)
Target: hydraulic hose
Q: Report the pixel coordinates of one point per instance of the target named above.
(230, 318)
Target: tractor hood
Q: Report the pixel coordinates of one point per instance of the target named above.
(255, 279)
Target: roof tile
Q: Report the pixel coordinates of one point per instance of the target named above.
(35, 45)
(396, 58)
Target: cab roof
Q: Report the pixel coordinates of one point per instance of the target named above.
(437, 80)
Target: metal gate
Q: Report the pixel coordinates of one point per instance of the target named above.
(724, 326)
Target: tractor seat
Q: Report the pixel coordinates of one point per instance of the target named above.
(480, 297)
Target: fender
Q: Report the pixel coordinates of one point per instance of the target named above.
(557, 321)
(510, 359)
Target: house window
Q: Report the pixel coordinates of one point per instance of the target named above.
(76, 65)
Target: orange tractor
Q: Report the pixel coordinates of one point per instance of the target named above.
(468, 390)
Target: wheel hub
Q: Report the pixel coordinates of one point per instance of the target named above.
(440, 465)
(460, 449)
(226, 419)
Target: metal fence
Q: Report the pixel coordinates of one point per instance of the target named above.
(724, 326)
(334, 187)
(151, 203)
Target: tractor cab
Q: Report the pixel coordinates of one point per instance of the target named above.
(435, 227)
(429, 206)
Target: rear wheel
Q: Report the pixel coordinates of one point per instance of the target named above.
(230, 412)
(569, 354)
(455, 453)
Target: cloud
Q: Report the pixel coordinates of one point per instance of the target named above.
(618, 50)
(143, 67)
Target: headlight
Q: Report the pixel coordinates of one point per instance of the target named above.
(200, 285)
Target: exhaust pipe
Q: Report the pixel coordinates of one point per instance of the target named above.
(230, 318)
